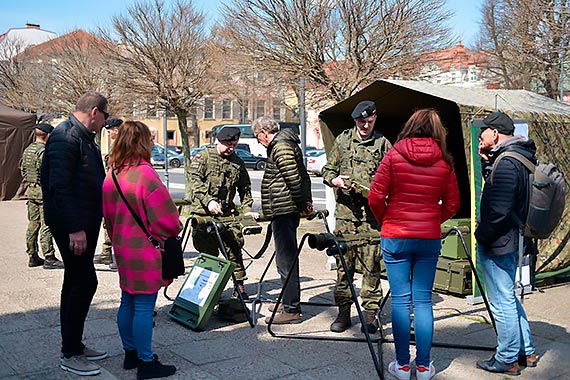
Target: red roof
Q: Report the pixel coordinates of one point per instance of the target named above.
(78, 39)
(458, 56)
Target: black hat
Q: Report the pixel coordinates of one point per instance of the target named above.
(44, 127)
(365, 108)
(499, 121)
(113, 123)
(228, 134)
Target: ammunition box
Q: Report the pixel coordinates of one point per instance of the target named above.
(451, 246)
(453, 276)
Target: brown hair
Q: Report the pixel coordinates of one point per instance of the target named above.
(90, 100)
(132, 145)
(427, 123)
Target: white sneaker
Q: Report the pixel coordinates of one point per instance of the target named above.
(424, 373)
(79, 365)
(402, 372)
(92, 354)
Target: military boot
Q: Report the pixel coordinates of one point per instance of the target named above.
(241, 288)
(342, 321)
(35, 261)
(370, 322)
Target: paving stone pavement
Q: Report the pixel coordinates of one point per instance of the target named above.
(30, 333)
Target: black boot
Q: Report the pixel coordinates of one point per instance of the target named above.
(35, 261)
(131, 359)
(52, 262)
(371, 322)
(342, 321)
(154, 369)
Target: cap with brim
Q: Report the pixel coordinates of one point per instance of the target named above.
(113, 123)
(44, 128)
(499, 121)
(229, 134)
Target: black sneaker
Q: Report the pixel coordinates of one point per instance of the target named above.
(35, 261)
(53, 263)
(154, 369)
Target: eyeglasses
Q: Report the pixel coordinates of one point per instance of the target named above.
(106, 114)
(257, 136)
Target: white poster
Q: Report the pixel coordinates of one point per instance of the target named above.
(199, 285)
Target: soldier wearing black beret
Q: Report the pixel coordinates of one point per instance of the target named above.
(229, 134)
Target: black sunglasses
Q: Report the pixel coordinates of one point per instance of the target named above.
(106, 114)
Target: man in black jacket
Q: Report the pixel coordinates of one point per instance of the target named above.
(71, 178)
(504, 203)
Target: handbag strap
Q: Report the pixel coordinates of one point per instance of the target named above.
(137, 218)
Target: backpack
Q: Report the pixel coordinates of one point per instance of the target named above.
(547, 196)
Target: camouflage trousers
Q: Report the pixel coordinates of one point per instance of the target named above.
(107, 248)
(233, 240)
(362, 259)
(37, 226)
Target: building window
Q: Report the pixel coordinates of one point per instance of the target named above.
(208, 108)
(170, 135)
(226, 109)
(260, 108)
(276, 109)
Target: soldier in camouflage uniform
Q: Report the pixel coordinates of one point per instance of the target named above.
(106, 256)
(215, 175)
(30, 166)
(352, 163)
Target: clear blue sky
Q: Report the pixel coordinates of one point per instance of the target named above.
(62, 16)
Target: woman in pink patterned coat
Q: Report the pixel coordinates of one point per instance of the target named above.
(139, 263)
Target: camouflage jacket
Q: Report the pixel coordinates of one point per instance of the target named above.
(213, 177)
(31, 166)
(358, 160)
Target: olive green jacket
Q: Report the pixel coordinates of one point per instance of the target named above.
(286, 186)
(31, 166)
(213, 177)
(359, 160)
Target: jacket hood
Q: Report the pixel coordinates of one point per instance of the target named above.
(283, 135)
(519, 144)
(420, 151)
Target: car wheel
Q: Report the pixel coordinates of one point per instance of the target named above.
(175, 163)
(260, 165)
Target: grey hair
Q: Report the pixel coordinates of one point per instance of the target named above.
(264, 123)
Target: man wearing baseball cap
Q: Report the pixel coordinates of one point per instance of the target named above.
(504, 201)
(30, 166)
(215, 176)
(352, 162)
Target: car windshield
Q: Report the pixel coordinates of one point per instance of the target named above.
(315, 153)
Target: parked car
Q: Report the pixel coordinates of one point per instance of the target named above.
(175, 148)
(175, 160)
(196, 151)
(316, 159)
(251, 161)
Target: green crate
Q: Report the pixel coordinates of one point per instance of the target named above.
(453, 276)
(201, 290)
(451, 246)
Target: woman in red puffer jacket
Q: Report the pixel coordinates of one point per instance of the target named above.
(413, 191)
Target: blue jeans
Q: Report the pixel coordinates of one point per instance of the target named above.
(135, 323)
(513, 330)
(410, 265)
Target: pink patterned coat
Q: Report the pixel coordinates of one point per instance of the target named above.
(138, 262)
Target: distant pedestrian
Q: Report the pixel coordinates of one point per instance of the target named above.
(30, 167)
(504, 202)
(285, 196)
(72, 179)
(412, 193)
(139, 262)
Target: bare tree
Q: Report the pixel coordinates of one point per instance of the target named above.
(527, 41)
(163, 52)
(337, 45)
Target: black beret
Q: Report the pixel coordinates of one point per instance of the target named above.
(112, 123)
(499, 121)
(44, 127)
(229, 134)
(365, 108)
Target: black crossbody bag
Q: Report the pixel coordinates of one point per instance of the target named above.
(172, 255)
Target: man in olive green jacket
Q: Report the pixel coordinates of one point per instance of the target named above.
(215, 175)
(285, 196)
(352, 163)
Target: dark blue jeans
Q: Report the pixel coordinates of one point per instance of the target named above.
(410, 265)
(78, 289)
(285, 235)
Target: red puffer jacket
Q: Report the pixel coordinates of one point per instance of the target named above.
(414, 190)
